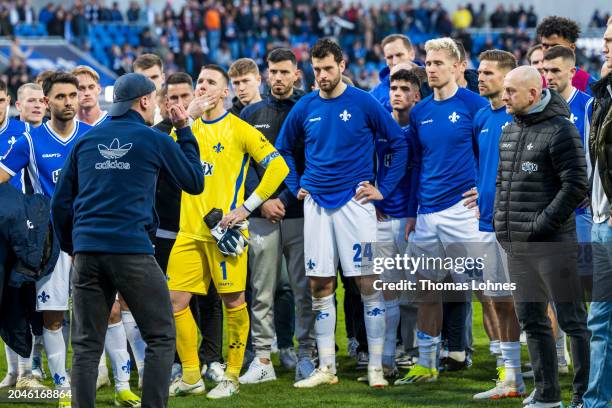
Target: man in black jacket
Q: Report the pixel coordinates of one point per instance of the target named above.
(276, 230)
(541, 180)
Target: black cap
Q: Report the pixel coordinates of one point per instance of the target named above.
(127, 89)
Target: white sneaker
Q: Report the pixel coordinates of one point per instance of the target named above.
(538, 404)
(258, 372)
(30, 383)
(529, 399)
(9, 380)
(102, 379)
(304, 368)
(320, 376)
(376, 378)
(503, 390)
(224, 389)
(180, 388)
(215, 372)
(288, 358)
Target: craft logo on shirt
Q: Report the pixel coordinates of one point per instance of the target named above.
(485, 130)
(454, 117)
(51, 155)
(262, 126)
(208, 168)
(113, 152)
(506, 145)
(425, 122)
(317, 119)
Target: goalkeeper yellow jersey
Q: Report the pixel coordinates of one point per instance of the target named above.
(225, 146)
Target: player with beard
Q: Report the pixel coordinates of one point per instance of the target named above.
(337, 186)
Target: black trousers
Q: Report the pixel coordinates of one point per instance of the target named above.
(96, 278)
(207, 310)
(547, 273)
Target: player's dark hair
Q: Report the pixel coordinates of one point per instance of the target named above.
(324, 47)
(406, 75)
(179, 78)
(533, 49)
(394, 37)
(559, 51)
(146, 61)
(3, 87)
(219, 69)
(40, 78)
(282, 54)
(504, 59)
(59, 78)
(563, 27)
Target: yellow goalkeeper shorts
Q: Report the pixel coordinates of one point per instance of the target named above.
(194, 263)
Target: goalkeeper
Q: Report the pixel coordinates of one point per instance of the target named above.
(211, 243)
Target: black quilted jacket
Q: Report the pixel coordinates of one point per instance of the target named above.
(541, 176)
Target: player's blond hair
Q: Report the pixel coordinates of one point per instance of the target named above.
(446, 44)
(30, 85)
(86, 70)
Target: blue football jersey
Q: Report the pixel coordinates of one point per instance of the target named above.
(11, 130)
(103, 118)
(488, 126)
(581, 108)
(43, 152)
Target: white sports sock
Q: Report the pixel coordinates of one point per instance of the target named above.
(325, 331)
(56, 357)
(494, 347)
(11, 360)
(374, 319)
(511, 353)
(116, 347)
(135, 338)
(561, 345)
(24, 366)
(427, 349)
(102, 364)
(392, 320)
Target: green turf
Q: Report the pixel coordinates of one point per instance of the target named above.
(451, 390)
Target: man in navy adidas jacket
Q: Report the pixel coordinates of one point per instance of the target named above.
(103, 211)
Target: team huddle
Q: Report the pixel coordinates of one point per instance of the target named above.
(316, 181)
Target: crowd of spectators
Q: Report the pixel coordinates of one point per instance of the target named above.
(221, 31)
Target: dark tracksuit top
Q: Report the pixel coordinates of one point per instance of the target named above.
(105, 197)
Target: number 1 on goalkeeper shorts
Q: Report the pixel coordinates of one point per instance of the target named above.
(224, 270)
